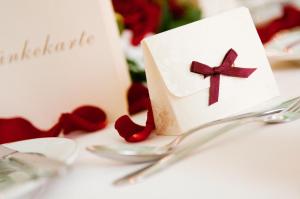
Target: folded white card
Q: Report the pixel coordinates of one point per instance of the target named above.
(56, 55)
(179, 97)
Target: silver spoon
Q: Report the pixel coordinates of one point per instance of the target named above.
(141, 154)
(289, 114)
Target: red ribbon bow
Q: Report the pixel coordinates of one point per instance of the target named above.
(225, 68)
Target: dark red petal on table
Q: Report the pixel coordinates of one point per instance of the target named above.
(85, 118)
(133, 132)
(138, 98)
(289, 19)
(15, 129)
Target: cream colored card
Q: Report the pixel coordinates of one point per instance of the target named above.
(56, 55)
(180, 97)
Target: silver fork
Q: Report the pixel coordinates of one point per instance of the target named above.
(18, 167)
(291, 113)
(11, 174)
(142, 154)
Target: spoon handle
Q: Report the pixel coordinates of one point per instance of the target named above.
(270, 111)
(176, 156)
(250, 115)
(170, 159)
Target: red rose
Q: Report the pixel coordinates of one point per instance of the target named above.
(176, 9)
(140, 16)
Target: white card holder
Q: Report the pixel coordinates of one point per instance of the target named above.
(57, 55)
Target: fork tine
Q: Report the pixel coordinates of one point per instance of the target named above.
(294, 107)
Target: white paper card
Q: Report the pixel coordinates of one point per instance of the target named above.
(57, 55)
(180, 97)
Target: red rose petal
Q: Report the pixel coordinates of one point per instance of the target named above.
(15, 129)
(133, 132)
(85, 118)
(140, 16)
(138, 98)
(289, 19)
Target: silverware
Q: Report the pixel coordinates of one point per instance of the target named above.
(17, 167)
(287, 115)
(140, 154)
(11, 175)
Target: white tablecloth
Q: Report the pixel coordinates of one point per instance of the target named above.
(253, 161)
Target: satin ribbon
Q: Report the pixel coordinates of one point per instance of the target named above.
(225, 68)
(289, 19)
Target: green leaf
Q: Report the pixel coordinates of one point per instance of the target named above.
(137, 74)
(168, 21)
(120, 22)
(166, 17)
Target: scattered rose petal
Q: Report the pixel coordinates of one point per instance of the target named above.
(85, 118)
(289, 19)
(133, 132)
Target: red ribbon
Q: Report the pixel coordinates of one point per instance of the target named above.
(85, 118)
(289, 19)
(225, 68)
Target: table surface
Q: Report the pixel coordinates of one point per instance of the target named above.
(253, 161)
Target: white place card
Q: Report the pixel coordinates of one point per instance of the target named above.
(57, 55)
(179, 97)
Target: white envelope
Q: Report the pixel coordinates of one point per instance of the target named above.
(180, 97)
(57, 55)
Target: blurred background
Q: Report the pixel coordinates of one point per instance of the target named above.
(277, 22)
